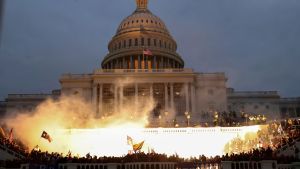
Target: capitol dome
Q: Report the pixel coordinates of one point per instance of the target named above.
(142, 41)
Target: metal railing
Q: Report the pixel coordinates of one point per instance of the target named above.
(120, 71)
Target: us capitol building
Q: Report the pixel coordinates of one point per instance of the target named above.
(142, 63)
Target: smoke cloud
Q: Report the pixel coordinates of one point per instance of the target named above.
(54, 116)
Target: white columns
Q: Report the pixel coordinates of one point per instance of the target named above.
(100, 98)
(94, 97)
(97, 98)
(136, 96)
(166, 97)
(172, 95)
(115, 98)
(121, 97)
(193, 93)
(151, 90)
(187, 97)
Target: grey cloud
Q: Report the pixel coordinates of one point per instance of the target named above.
(255, 42)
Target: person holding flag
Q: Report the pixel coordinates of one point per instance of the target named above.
(11, 138)
(2, 133)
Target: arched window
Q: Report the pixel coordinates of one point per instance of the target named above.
(142, 41)
(130, 42)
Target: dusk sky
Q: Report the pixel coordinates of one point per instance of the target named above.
(255, 42)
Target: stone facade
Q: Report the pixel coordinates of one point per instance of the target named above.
(19, 103)
(142, 62)
(254, 102)
(289, 107)
(175, 90)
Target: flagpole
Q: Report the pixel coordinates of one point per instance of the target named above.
(143, 58)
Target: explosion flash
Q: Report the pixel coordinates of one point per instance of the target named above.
(185, 142)
(73, 127)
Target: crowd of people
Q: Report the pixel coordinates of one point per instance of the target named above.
(211, 119)
(276, 135)
(272, 139)
(38, 157)
(15, 146)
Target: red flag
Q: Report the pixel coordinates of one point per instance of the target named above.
(147, 52)
(46, 136)
(10, 138)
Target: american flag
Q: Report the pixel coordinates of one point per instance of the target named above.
(147, 52)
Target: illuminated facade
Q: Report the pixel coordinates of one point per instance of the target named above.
(142, 63)
(129, 73)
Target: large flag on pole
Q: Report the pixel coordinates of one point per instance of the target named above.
(147, 52)
(46, 136)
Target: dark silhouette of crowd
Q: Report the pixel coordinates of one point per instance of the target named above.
(288, 133)
(15, 146)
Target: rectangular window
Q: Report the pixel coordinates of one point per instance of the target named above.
(154, 41)
(149, 42)
(136, 43)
